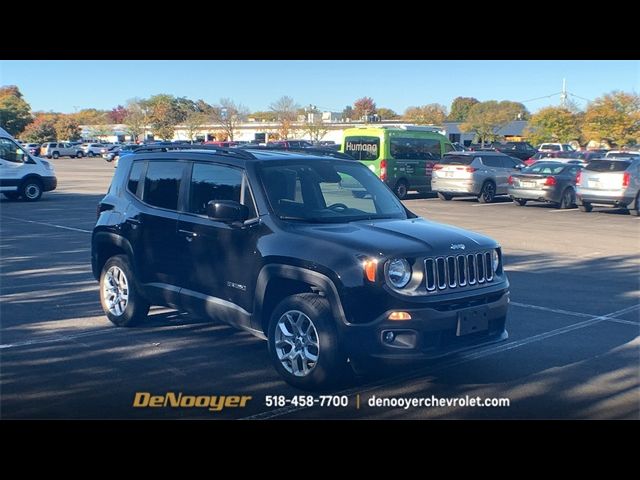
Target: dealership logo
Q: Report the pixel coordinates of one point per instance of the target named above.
(458, 246)
(370, 148)
(213, 403)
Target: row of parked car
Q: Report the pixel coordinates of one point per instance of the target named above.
(68, 149)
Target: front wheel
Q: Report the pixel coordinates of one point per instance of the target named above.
(568, 199)
(303, 342)
(80, 154)
(444, 196)
(56, 155)
(585, 207)
(119, 296)
(91, 154)
(488, 193)
(31, 190)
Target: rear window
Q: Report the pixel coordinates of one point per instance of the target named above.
(456, 160)
(544, 168)
(608, 166)
(362, 148)
(134, 177)
(621, 155)
(549, 146)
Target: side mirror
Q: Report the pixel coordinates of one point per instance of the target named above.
(227, 211)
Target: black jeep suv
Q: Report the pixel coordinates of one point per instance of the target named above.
(311, 251)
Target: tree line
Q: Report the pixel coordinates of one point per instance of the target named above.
(613, 117)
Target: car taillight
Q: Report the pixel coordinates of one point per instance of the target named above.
(550, 181)
(470, 169)
(578, 177)
(383, 170)
(626, 179)
(510, 180)
(438, 167)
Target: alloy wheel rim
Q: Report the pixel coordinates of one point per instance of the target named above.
(488, 192)
(296, 343)
(115, 291)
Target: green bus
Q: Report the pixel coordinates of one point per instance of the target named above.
(401, 155)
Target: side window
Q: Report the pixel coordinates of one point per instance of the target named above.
(415, 148)
(53, 145)
(493, 162)
(11, 152)
(162, 184)
(217, 182)
(134, 177)
(509, 163)
(448, 148)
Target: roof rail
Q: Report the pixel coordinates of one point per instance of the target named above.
(309, 151)
(232, 152)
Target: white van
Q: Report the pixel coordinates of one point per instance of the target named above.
(23, 175)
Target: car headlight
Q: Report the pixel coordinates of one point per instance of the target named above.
(399, 272)
(495, 260)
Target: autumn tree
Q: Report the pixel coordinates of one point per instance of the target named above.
(286, 111)
(387, 114)
(263, 116)
(363, 108)
(460, 108)
(614, 116)
(163, 113)
(553, 124)
(229, 115)
(485, 119)
(91, 116)
(135, 119)
(41, 130)
(431, 114)
(67, 128)
(15, 112)
(316, 129)
(194, 123)
(347, 113)
(117, 114)
(100, 131)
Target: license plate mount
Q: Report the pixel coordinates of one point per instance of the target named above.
(472, 320)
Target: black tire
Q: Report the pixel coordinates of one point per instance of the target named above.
(444, 196)
(31, 189)
(137, 308)
(55, 155)
(331, 365)
(635, 212)
(488, 192)
(568, 199)
(12, 195)
(401, 189)
(73, 156)
(521, 202)
(91, 154)
(585, 207)
(80, 154)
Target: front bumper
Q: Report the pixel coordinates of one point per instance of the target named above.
(434, 330)
(539, 194)
(49, 183)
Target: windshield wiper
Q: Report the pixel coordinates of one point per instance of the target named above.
(301, 219)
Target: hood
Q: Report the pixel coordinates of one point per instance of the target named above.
(397, 237)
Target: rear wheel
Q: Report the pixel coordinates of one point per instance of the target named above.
(56, 155)
(80, 154)
(585, 207)
(520, 201)
(444, 196)
(90, 154)
(401, 189)
(488, 193)
(31, 189)
(120, 299)
(635, 211)
(568, 199)
(303, 342)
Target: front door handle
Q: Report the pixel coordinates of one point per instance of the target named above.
(189, 235)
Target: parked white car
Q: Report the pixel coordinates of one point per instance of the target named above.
(60, 149)
(556, 147)
(92, 149)
(23, 175)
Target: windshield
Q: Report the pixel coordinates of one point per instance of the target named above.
(325, 191)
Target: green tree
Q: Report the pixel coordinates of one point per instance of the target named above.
(67, 128)
(41, 130)
(485, 119)
(286, 112)
(364, 107)
(432, 114)
(614, 116)
(164, 113)
(460, 108)
(387, 114)
(100, 131)
(553, 124)
(136, 119)
(15, 112)
(91, 116)
(229, 115)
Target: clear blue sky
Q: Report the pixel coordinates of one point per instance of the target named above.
(65, 86)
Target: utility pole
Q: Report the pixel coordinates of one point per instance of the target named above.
(563, 95)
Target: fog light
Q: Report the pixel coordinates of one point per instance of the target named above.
(389, 337)
(399, 316)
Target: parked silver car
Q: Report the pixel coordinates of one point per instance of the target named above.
(482, 174)
(93, 149)
(611, 181)
(60, 149)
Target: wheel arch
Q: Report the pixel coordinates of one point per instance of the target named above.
(106, 245)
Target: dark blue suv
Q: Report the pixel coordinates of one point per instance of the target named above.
(312, 252)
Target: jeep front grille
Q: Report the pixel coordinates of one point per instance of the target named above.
(456, 271)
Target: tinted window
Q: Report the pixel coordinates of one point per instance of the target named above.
(213, 182)
(545, 168)
(456, 160)
(162, 184)
(415, 148)
(510, 162)
(608, 165)
(134, 176)
(492, 162)
(362, 148)
(448, 148)
(549, 146)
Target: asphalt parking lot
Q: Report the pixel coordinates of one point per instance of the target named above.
(573, 351)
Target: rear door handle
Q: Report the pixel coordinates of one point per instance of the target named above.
(189, 235)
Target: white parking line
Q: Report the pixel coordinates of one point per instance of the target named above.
(464, 358)
(563, 210)
(492, 204)
(47, 224)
